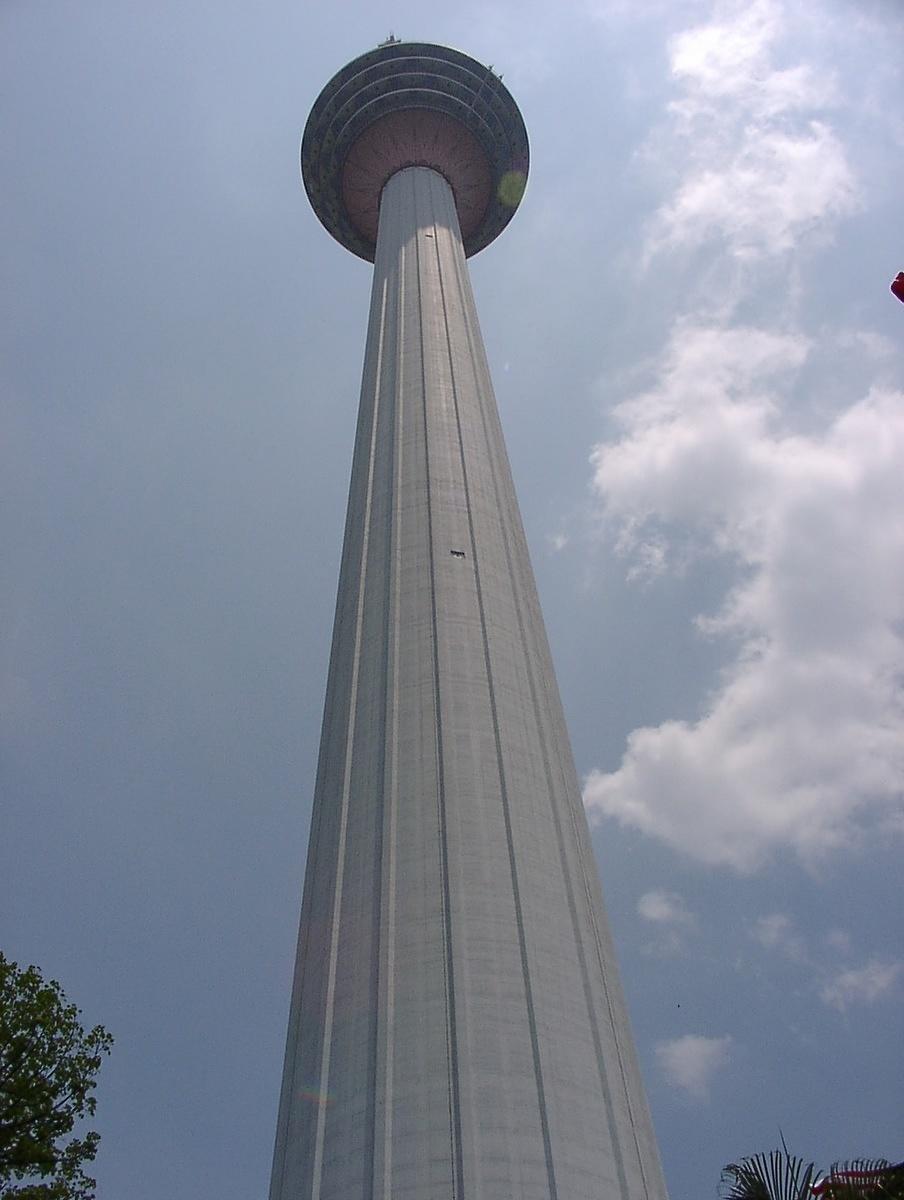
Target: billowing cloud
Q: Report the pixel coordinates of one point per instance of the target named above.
(838, 940)
(801, 743)
(691, 1061)
(771, 186)
(758, 162)
(838, 987)
(776, 932)
(862, 985)
(728, 58)
(664, 908)
(671, 919)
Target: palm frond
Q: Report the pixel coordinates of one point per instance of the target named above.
(863, 1179)
(774, 1176)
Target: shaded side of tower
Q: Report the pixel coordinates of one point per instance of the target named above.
(457, 1026)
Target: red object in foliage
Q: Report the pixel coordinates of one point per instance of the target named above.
(897, 286)
(847, 1182)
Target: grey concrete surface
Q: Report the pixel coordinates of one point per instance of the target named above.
(457, 1027)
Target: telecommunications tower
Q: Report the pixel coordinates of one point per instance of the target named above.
(457, 1028)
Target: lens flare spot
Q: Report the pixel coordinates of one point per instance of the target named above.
(313, 1096)
(511, 188)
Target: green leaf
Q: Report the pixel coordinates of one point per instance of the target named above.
(48, 1064)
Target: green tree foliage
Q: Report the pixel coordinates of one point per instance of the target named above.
(782, 1176)
(48, 1064)
(775, 1176)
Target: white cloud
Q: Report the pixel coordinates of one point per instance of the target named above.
(670, 917)
(664, 908)
(691, 1061)
(685, 447)
(873, 345)
(776, 932)
(730, 58)
(838, 940)
(838, 988)
(773, 186)
(757, 164)
(863, 985)
(801, 744)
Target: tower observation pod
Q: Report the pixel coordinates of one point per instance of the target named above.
(457, 1027)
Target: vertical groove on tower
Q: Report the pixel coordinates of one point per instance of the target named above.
(385, 1014)
(503, 787)
(448, 957)
(336, 924)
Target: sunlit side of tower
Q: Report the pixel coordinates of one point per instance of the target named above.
(457, 1028)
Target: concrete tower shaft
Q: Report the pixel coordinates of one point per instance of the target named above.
(457, 1029)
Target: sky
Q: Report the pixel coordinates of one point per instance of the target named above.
(699, 369)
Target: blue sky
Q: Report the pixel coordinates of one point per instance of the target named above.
(698, 365)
